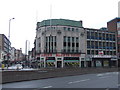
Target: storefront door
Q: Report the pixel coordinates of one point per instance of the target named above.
(59, 64)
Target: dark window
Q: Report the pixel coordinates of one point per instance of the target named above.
(110, 52)
(103, 36)
(96, 52)
(73, 44)
(73, 39)
(55, 43)
(68, 44)
(64, 38)
(68, 29)
(92, 52)
(114, 53)
(39, 44)
(64, 28)
(77, 44)
(64, 43)
(55, 38)
(46, 44)
(88, 51)
(72, 29)
(68, 39)
(46, 39)
(77, 39)
(76, 29)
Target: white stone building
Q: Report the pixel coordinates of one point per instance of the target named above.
(60, 43)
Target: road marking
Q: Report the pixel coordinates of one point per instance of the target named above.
(105, 76)
(107, 73)
(48, 87)
(99, 75)
(115, 72)
(78, 81)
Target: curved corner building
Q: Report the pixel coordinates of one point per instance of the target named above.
(60, 43)
(66, 43)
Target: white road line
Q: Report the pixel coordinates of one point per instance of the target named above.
(107, 73)
(48, 87)
(78, 81)
(99, 75)
(105, 76)
(115, 72)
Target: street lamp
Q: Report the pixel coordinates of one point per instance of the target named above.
(9, 27)
(9, 39)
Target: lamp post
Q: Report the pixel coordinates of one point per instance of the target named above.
(9, 27)
(9, 41)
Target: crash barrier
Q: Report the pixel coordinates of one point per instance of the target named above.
(15, 76)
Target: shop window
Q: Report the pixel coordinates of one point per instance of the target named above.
(58, 58)
(42, 58)
(82, 59)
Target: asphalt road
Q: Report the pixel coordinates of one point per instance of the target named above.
(100, 80)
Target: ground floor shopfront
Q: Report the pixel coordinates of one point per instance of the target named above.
(102, 61)
(62, 60)
(75, 60)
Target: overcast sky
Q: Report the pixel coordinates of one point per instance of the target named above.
(93, 13)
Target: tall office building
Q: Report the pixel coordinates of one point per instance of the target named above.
(114, 26)
(101, 48)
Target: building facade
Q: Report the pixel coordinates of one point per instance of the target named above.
(114, 26)
(60, 43)
(101, 48)
(66, 43)
(5, 49)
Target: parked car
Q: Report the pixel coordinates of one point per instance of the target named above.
(17, 67)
